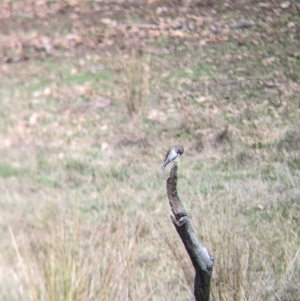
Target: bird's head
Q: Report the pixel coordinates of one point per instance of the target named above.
(180, 149)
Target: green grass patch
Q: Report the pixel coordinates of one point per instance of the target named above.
(8, 171)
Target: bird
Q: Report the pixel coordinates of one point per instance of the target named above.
(172, 154)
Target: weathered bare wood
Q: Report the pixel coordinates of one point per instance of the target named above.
(201, 259)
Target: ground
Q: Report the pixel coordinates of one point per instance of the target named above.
(93, 93)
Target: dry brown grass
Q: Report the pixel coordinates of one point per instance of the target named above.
(136, 80)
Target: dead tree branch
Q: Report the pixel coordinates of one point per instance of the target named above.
(201, 259)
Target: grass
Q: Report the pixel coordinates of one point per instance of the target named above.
(83, 202)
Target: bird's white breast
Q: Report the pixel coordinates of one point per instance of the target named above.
(173, 155)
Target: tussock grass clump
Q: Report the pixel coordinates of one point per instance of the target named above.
(136, 81)
(66, 258)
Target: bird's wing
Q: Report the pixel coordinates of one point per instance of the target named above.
(168, 152)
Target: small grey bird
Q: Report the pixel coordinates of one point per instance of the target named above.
(172, 154)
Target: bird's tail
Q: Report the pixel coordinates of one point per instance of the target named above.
(163, 167)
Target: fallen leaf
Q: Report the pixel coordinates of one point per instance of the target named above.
(33, 119)
(285, 4)
(269, 61)
(104, 146)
